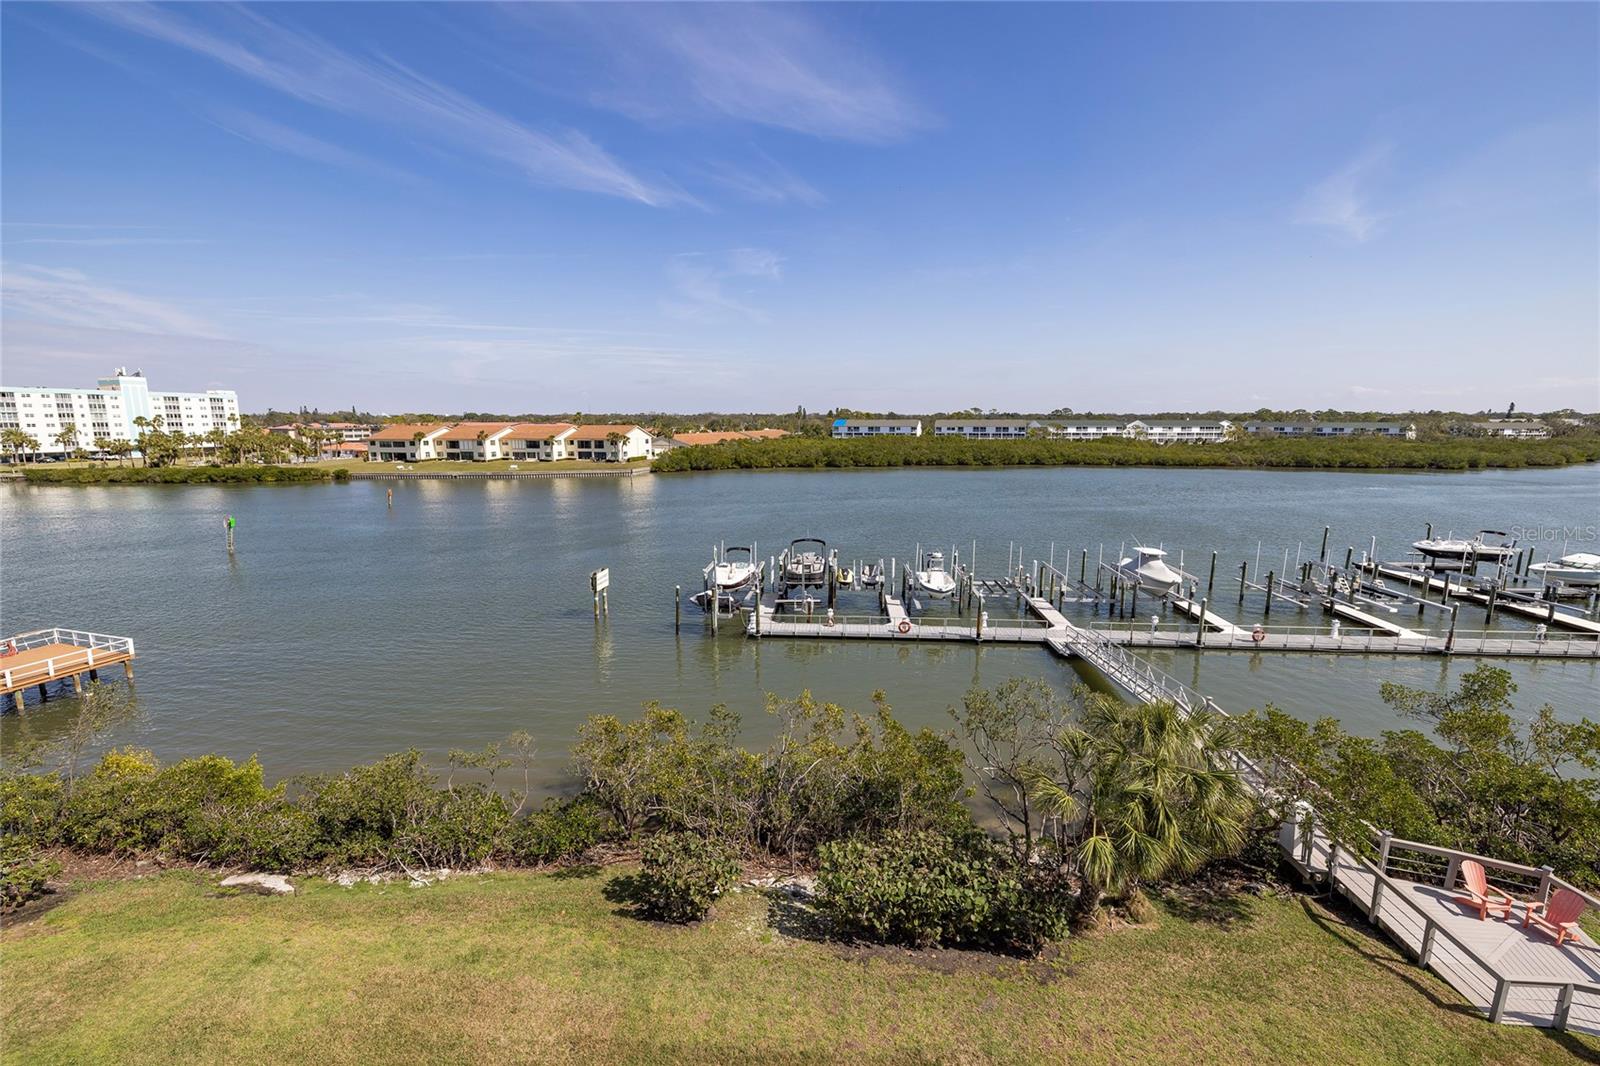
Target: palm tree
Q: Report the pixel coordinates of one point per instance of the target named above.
(67, 436)
(1141, 792)
(13, 440)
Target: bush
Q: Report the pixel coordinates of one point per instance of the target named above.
(181, 475)
(561, 829)
(925, 889)
(683, 874)
(23, 871)
(30, 807)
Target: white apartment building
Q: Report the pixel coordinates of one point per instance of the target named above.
(876, 427)
(1084, 429)
(984, 428)
(538, 441)
(597, 443)
(407, 442)
(477, 441)
(1515, 428)
(1180, 431)
(1402, 430)
(107, 412)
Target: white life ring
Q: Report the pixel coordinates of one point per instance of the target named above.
(1258, 634)
(905, 626)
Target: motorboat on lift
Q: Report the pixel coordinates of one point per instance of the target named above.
(1148, 568)
(1580, 568)
(1459, 551)
(806, 562)
(734, 570)
(871, 575)
(932, 577)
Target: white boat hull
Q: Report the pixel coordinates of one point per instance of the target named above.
(1582, 570)
(936, 583)
(729, 576)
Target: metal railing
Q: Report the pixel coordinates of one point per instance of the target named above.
(1558, 645)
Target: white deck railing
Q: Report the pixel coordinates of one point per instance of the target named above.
(89, 651)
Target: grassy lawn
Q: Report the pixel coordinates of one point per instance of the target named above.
(540, 968)
(357, 466)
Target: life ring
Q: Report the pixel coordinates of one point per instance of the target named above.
(1258, 634)
(905, 626)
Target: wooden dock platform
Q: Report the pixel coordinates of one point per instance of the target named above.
(1212, 619)
(1370, 621)
(1363, 643)
(44, 656)
(1547, 612)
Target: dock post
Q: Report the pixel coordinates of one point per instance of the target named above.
(1349, 553)
(978, 620)
(94, 675)
(677, 608)
(1083, 566)
(1271, 575)
(1429, 535)
(1488, 616)
(1133, 610)
(1212, 579)
(77, 684)
(1200, 630)
(716, 604)
(44, 693)
(1244, 568)
(127, 670)
(1325, 531)
(1450, 638)
(17, 695)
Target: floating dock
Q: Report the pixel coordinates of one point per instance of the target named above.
(1370, 621)
(1545, 611)
(46, 656)
(1213, 621)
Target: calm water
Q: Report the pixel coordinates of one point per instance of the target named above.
(342, 630)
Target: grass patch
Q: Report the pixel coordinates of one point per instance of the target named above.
(183, 475)
(544, 968)
(1367, 453)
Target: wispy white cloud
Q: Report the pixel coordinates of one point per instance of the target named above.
(72, 297)
(107, 242)
(765, 182)
(774, 65)
(275, 135)
(309, 69)
(700, 283)
(1342, 201)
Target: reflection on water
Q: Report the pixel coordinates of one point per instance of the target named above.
(343, 629)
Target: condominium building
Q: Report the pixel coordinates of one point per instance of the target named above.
(611, 444)
(877, 427)
(1515, 428)
(340, 431)
(985, 428)
(1179, 431)
(1402, 430)
(407, 442)
(475, 440)
(116, 409)
(1086, 429)
(539, 441)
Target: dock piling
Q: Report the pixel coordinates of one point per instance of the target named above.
(677, 608)
(1325, 531)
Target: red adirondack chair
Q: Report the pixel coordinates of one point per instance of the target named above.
(1559, 916)
(1481, 895)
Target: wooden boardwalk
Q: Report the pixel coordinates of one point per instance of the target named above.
(44, 656)
(1370, 621)
(1212, 619)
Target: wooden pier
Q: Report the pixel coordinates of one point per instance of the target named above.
(47, 656)
(1370, 621)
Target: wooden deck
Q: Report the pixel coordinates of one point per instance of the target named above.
(49, 655)
(1514, 975)
(1371, 621)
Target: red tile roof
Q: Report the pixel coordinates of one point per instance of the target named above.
(470, 430)
(403, 431)
(539, 430)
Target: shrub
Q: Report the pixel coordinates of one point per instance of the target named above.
(559, 830)
(181, 475)
(30, 807)
(23, 871)
(683, 874)
(925, 889)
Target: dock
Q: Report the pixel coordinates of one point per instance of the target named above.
(47, 656)
(1213, 621)
(1370, 621)
(1546, 611)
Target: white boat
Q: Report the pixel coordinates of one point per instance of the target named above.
(871, 575)
(931, 577)
(736, 569)
(1148, 568)
(1580, 568)
(806, 562)
(1464, 552)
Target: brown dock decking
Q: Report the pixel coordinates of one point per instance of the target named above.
(48, 655)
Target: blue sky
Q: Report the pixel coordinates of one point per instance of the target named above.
(611, 207)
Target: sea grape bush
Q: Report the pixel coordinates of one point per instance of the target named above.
(682, 875)
(925, 889)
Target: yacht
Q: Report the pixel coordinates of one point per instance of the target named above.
(1581, 568)
(806, 562)
(931, 576)
(1148, 568)
(1460, 551)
